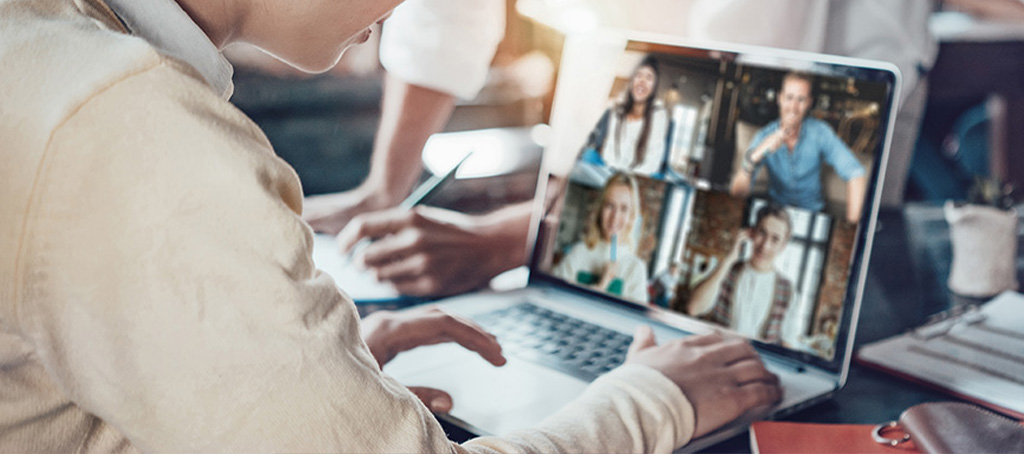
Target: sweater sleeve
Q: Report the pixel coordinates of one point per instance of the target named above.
(173, 296)
(631, 409)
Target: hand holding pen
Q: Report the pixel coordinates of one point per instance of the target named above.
(428, 251)
(430, 187)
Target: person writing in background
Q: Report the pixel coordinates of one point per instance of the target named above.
(435, 52)
(793, 149)
(751, 297)
(631, 135)
(208, 328)
(605, 260)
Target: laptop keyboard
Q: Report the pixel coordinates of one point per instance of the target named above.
(556, 340)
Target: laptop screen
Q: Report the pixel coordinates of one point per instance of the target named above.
(730, 187)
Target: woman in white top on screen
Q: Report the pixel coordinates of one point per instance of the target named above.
(635, 128)
(605, 260)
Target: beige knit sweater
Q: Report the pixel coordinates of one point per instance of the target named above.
(156, 286)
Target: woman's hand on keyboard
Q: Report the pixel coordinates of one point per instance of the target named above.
(722, 376)
(389, 333)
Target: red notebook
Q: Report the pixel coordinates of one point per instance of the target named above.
(772, 437)
(934, 427)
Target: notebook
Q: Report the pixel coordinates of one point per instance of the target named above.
(972, 352)
(666, 219)
(778, 437)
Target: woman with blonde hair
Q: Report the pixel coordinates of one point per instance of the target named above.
(606, 259)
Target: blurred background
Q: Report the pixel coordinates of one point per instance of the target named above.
(324, 125)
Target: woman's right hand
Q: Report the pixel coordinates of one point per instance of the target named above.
(722, 376)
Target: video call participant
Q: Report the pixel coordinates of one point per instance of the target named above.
(752, 297)
(793, 149)
(605, 260)
(632, 134)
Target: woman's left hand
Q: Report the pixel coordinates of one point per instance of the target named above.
(389, 333)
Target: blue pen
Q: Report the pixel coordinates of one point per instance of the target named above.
(615, 246)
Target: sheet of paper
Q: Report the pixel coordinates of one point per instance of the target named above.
(356, 281)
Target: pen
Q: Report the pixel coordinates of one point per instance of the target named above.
(418, 195)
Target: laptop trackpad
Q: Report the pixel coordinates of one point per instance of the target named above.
(497, 400)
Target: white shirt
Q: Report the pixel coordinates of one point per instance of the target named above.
(752, 302)
(756, 290)
(445, 45)
(619, 152)
(167, 27)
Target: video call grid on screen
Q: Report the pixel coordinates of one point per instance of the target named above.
(677, 235)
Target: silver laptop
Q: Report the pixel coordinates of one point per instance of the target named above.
(572, 322)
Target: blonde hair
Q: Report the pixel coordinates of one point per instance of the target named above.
(595, 231)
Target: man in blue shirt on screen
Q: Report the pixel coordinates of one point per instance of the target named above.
(793, 148)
